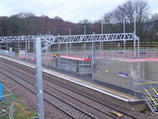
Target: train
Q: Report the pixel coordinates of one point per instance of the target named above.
(73, 64)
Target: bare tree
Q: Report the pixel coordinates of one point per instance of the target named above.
(85, 26)
(154, 17)
(128, 9)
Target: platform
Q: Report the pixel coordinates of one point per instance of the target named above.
(107, 91)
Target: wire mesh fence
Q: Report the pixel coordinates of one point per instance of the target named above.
(114, 63)
(7, 104)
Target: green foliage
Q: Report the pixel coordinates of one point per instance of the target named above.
(22, 111)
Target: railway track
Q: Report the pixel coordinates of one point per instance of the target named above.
(63, 91)
(70, 109)
(67, 107)
(47, 83)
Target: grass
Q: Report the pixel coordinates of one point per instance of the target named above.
(6, 107)
(22, 111)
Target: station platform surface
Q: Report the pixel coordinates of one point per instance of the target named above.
(102, 89)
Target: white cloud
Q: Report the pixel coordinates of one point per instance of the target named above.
(153, 6)
(72, 10)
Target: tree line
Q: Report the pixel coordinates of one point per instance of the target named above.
(112, 22)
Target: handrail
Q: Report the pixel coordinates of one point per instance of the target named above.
(156, 98)
(151, 97)
(151, 102)
(155, 91)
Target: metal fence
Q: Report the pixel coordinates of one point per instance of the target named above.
(7, 105)
(116, 63)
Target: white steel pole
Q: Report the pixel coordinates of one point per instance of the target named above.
(135, 15)
(58, 45)
(92, 60)
(69, 31)
(7, 46)
(29, 46)
(66, 48)
(124, 27)
(25, 45)
(102, 26)
(18, 46)
(124, 31)
(138, 48)
(84, 28)
(39, 81)
(100, 48)
(93, 56)
(85, 49)
(70, 49)
(135, 33)
(124, 46)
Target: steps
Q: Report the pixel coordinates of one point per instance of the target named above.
(151, 96)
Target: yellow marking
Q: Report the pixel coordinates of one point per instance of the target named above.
(56, 55)
(106, 89)
(138, 91)
(156, 98)
(117, 114)
(150, 82)
(155, 91)
(151, 103)
(150, 96)
(73, 78)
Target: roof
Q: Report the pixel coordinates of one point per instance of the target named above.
(144, 59)
(75, 58)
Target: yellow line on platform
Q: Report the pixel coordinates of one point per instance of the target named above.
(150, 82)
(120, 94)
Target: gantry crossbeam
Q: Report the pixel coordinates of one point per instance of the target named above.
(49, 40)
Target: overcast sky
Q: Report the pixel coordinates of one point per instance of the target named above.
(69, 10)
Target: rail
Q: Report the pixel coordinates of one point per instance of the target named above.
(151, 99)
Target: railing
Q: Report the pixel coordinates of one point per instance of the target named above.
(152, 99)
(48, 40)
(72, 38)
